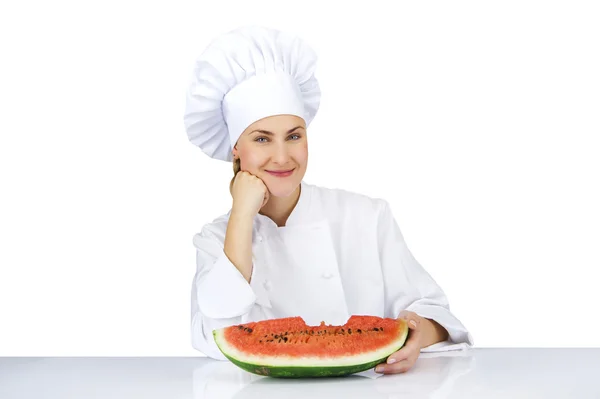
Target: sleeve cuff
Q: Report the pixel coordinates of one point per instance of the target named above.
(223, 292)
(445, 346)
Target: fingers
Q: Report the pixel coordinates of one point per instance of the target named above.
(395, 368)
(414, 322)
(414, 336)
(400, 361)
(414, 331)
(410, 349)
(413, 319)
(405, 358)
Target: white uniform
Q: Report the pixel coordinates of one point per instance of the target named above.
(339, 254)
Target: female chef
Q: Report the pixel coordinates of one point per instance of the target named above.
(286, 247)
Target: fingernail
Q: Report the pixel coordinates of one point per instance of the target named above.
(391, 360)
(379, 369)
(413, 323)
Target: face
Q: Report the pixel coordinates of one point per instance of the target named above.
(275, 143)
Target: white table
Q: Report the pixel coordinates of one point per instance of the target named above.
(477, 373)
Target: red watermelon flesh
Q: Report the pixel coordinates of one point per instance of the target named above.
(287, 347)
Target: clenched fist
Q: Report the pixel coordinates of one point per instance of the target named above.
(249, 194)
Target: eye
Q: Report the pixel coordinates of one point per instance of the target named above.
(262, 137)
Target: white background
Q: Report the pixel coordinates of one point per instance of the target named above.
(477, 121)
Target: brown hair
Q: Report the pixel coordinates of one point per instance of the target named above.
(236, 169)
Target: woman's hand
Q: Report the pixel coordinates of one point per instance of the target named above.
(402, 360)
(249, 193)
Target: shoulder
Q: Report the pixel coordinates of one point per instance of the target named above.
(338, 200)
(212, 232)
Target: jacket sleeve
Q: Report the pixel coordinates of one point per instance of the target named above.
(408, 286)
(221, 296)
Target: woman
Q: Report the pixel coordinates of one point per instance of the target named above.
(286, 247)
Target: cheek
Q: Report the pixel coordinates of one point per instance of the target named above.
(250, 161)
(301, 155)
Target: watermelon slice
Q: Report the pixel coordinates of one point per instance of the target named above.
(287, 347)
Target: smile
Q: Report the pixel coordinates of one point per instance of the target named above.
(281, 174)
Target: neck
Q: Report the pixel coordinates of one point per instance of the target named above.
(278, 209)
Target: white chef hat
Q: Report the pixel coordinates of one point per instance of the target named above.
(245, 75)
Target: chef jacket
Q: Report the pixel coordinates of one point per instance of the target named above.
(339, 254)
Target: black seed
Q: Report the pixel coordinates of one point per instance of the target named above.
(381, 328)
(241, 327)
(312, 333)
(265, 336)
(260, 341)
(359, 331)
(342, 330)
(249, 330)
(376, 329)
(285, 339)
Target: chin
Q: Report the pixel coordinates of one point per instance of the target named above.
(282, 189)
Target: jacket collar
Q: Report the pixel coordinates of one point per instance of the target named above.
(300, 214)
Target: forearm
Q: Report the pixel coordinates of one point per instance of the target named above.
(432, 332)
(238, 243)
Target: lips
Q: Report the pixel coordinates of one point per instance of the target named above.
(283, 173)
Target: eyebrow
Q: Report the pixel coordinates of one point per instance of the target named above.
(272, 134)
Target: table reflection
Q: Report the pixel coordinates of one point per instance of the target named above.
(433, 376)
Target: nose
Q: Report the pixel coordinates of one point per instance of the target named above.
(281, 154)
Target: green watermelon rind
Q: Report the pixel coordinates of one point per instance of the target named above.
(309, 371)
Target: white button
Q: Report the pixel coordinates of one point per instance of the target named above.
(327, 275)
(267, 285)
